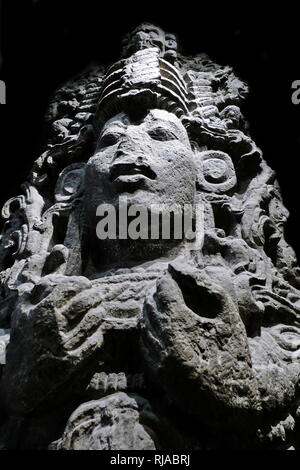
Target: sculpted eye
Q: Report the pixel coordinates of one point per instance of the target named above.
(110, 138)
(159, 133)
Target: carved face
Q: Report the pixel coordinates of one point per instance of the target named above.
(151, 162)
(171, 47)
(145, 35)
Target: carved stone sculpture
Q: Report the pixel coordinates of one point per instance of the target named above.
(149, 344)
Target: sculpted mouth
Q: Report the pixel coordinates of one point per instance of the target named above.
(130, 170)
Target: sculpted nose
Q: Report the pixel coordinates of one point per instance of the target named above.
(121, 153)
(131, 150)
(128, 156)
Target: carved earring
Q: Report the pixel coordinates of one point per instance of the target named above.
(215, 172)
(70, 183)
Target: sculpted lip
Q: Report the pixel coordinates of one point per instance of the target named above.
(130, 171)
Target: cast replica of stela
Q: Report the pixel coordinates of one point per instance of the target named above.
(149, 344)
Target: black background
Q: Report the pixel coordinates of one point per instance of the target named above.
(43, 43)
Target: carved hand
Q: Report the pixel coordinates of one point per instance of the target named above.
(56, 332)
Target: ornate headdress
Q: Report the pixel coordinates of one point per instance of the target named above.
(244, 213)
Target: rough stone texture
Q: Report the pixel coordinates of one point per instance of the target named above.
(112, 423)
(123, 344)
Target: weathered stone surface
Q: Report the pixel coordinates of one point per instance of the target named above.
(112, 423)
(149, 343)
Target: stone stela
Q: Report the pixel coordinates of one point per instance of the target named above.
(144, 344)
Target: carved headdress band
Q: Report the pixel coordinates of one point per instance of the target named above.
(205, 95)
(144, 79)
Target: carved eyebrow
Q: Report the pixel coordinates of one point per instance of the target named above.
(152, 117)
(167, 125)
(168, 129)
